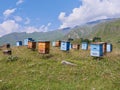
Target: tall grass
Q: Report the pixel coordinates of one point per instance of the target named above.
(33, 71)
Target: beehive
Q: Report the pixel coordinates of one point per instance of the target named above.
(26, 40)
(32, 45)
(65, 46)
(19, 43)
(109, 47)
(84, 45)
(6, 45)
(57, 43)
(7, 52)
(96, 49)
(104, 47)
(43, 47)
(76, 46)
(53, 43)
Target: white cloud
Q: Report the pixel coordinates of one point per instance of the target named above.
(8, 12)
(8, 26)
(45, 28)
(31, 29)
(90, 10)
(18, 18)
(19, 2)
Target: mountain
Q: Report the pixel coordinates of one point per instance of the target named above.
(52, 35)
(108, 30)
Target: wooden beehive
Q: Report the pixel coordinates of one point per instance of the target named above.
(104, 47)
(84, 46)
(65, 46)
(6, 45)
(19, 43)
(44, 47)
(57, 43)
(96, 49)
(109, 47)
(7, 52)
(76, 46)
(32, 45)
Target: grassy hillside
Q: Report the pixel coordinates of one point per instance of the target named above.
(33, 71)
(108, 31)
(80, 32)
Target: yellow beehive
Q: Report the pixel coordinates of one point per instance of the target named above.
(43, 47)
(57, 43)
(32, 45)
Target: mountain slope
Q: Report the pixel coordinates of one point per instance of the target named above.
(108, 31)
(52, 35)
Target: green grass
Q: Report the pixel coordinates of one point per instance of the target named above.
(33, 71)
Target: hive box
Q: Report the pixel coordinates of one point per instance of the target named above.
(43, 47)
(84, 45)
(96, 49)
(76, 46)
(104, 47)
(32, 45)
(57, 43)
(109, 47)
(65, 46)
(19, 43)
(26, 40)
(53, 43)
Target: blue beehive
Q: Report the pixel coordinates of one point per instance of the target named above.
(19, 43)
(26, 40)
(84, 45)
(53, 43)
(96, 49)
(109, 47)
(65, 46)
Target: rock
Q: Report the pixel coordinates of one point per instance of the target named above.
(67, 63)
(0, 80)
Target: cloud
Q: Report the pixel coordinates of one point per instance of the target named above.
(90, 10)
(31, 29)
(45, 28)
(19, 2)
(18, 18)
(8, 26)
(8, 12)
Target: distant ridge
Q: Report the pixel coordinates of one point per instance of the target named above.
(108, 30)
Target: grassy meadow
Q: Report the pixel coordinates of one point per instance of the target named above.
(29, 70)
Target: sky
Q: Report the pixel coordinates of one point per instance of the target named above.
(47, 15)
